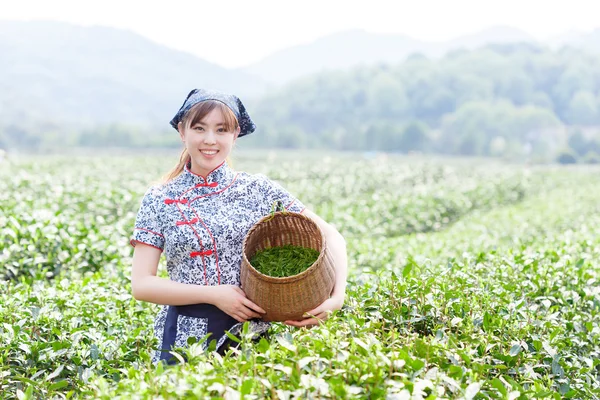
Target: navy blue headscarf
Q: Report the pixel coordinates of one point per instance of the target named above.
(231, 101)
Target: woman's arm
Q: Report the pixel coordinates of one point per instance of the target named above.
(146, 286)
(337, 247)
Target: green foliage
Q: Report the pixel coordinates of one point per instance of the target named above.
(415, 137)
(567, 156)
(584, 143)
(583, 109)
(591, 157)
(467, 280)
(522, 94)
(282, 261)
(578, 142)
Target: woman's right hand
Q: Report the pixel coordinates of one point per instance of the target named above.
(233, 301)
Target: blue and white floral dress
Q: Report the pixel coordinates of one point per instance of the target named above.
(200, 224)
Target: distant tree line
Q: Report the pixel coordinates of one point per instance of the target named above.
(37, 136)
(515, 101)
(502, 100)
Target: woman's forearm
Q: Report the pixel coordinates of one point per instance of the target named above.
(165, 291)
(337, 247)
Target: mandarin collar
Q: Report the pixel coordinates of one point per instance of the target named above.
(217, 179)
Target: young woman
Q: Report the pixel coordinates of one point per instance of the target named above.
(199, 218)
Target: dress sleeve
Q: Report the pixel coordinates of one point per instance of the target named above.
(273, 191)
(148, 229)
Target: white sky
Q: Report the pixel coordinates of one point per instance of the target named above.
(235, 33)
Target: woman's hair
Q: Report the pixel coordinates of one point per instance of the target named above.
(194, 116)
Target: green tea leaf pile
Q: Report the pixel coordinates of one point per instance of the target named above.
(282, 261)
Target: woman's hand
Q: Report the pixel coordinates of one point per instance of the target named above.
(233, 301)
(319, 314)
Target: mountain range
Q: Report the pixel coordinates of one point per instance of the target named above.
(97, 74)
(357, 47)
(54, 71)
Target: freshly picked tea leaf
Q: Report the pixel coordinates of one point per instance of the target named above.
(284, 261)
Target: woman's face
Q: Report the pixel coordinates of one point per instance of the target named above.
(207, 142)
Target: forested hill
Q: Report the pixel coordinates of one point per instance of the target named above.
(64, 85)
(499, 100)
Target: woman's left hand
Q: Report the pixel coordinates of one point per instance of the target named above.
(319, 314)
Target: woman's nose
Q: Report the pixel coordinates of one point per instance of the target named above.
(210, 137)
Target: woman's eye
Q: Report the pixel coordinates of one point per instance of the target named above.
(220, 130)
(199, 128)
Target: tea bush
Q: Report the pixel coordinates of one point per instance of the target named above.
(468, 279)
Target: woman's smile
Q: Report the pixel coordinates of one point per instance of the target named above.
(209, 153)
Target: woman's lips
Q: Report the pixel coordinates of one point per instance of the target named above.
(209, 153)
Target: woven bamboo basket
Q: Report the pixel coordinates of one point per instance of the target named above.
(287, 298)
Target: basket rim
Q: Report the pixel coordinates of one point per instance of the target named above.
(284, 279)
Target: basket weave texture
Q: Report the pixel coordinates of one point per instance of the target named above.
(287, 298)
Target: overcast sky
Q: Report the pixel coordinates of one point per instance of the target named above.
(236, 33)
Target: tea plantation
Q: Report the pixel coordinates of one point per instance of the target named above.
(468, 279)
